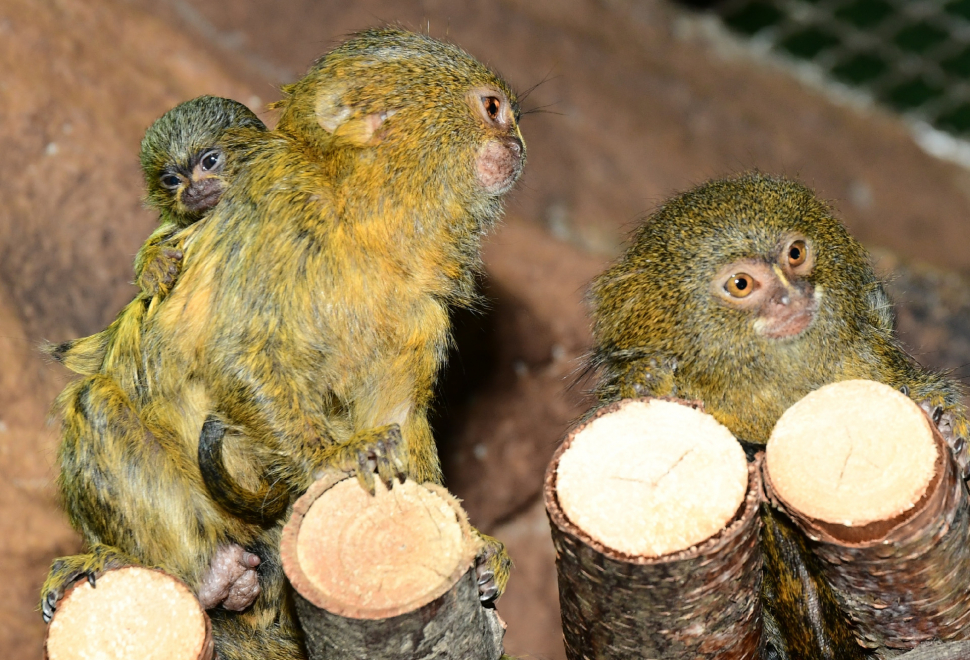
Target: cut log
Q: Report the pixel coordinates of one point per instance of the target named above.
(865, 474)
(852, 453)
(654, 516)
(387, 576)
(133, 612)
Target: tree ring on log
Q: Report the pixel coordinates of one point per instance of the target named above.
(133, 612)
(902, 581)
(651, 477)
(854, 460)
(699, 602)
(375, 557)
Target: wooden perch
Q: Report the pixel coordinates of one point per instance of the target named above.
(866, 475)
(389, 576)
(133, 612)
(654, 514)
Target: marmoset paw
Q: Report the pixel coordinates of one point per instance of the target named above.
(655, 378)
(381, 449)
(231, 579)
(492, 568)
(160, 271)
(65, 571)
(953, 431)
(51, 596)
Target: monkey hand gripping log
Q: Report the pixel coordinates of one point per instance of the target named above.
(390, 575)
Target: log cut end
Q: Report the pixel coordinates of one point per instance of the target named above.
(651, 478)
(371, 557)
(133, 612)
(852, 453)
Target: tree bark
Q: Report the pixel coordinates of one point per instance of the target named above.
(389, 576)
(700, 602)
(133, 612)
(944, 651)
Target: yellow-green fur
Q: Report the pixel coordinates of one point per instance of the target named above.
(660, 331)
(168, 146)
(312, 308)
(115, 485)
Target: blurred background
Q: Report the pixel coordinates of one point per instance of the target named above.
(864, 100)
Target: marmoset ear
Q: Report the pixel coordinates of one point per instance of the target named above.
(346, 123)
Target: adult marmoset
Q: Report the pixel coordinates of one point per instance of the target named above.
(747, 294)
(183, 163)
(311, 316)
(416, 153)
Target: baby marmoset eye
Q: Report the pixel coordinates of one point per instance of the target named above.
(211, 161)
(171, 181)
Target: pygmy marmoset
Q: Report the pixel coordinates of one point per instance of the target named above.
(747, 294)
(183, 163)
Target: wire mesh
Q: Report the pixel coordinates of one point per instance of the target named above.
(912, 55)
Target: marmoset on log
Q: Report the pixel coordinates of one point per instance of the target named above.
(310, 318)
(183, 164)
(403, 164)
(747, 294)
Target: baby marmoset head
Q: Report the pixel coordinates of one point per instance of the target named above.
(442, 125)
(745, 293)
(182, 158)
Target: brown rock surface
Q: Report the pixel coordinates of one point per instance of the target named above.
(647, 105)
(32, 529)
(81, 83)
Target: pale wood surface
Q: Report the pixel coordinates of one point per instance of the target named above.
(133, 612)
(371, 554)
(387, 577)
(852, 453)
(652, 478)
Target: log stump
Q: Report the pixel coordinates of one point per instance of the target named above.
(133, 612)
(654, 516)
(389, 576)
(865, 474)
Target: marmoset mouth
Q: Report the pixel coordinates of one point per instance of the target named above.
(500, 164)
(202, 195)
(788, 322)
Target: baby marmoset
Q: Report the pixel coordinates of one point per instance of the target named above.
(747, 294)
(311, 316)
(183, 164)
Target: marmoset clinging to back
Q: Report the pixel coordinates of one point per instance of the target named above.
(747, 294)
(183, 163)
(311, 316)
